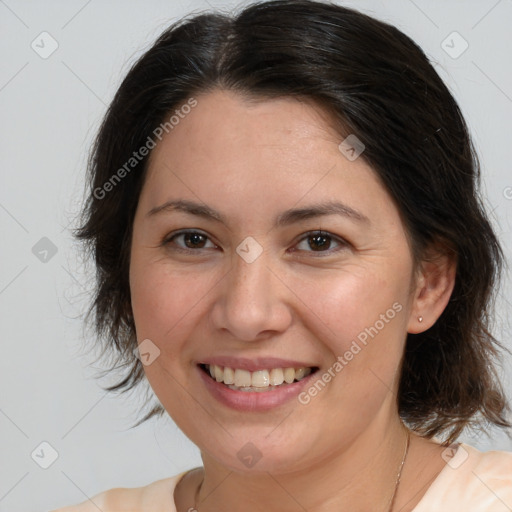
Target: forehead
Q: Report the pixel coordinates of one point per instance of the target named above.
(245, 154)
(227, 120)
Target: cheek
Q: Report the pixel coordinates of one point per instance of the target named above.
(165, 306)
(162, 297)
(358, 314)
(343, 302)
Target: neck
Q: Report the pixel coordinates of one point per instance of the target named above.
(360, 476)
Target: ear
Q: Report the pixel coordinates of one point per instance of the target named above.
(435, 280)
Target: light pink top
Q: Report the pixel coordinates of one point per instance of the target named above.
(471, 481)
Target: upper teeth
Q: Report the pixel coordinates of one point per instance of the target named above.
(257, 379)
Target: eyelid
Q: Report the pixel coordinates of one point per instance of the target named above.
(169, 238)
(320, 232)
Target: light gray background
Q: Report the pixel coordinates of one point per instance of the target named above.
(50, 109)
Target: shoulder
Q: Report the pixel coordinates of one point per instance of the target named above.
(498, 461)
(157, 496)
(479, 480)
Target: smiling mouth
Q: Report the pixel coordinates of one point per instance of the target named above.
(258, 381)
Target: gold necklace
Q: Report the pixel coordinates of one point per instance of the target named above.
(397, 483)
(392, 500)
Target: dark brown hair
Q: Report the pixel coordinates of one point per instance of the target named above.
(381, 87)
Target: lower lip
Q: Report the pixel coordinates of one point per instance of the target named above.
(254, 401)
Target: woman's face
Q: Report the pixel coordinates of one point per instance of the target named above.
(236, 275)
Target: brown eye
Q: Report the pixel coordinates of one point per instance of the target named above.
(188, 241)
(194, 240)
(320, 242)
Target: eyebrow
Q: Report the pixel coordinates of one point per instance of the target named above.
(283, 219)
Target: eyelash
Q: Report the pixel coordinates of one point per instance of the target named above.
(343, 243)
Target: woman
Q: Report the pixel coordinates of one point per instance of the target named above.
(291, 248)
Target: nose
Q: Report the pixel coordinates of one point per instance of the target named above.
(252, 301)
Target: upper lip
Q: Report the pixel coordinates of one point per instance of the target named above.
(256, 363)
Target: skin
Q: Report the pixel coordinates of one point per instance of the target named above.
(250, 160)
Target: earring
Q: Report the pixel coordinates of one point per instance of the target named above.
(420, 319)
